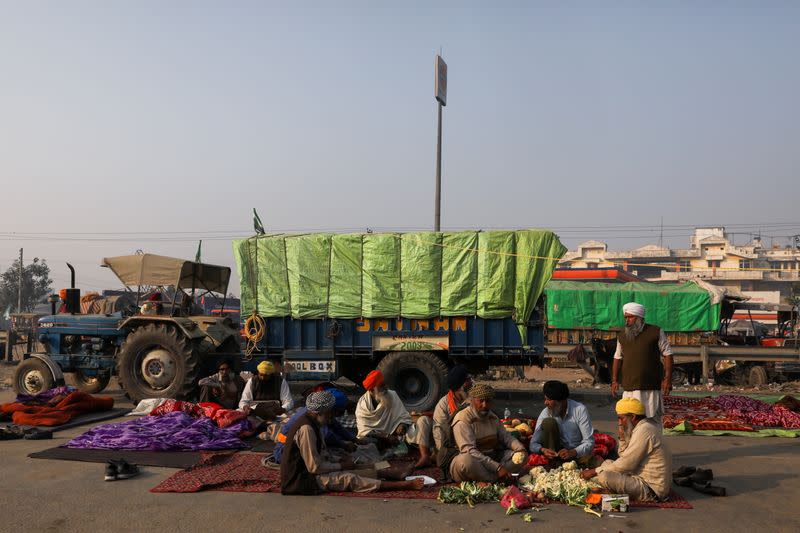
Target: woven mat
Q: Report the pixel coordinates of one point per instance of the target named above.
(243, 472)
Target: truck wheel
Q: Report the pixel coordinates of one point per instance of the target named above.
(33, 376)
(88, 384)
(757, 376)
(156, 361)
(417, 377)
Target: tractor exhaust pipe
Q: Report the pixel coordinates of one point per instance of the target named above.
(73, 301)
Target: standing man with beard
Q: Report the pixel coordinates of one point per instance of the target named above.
(486, 449)
(644, 467)
(641, 348)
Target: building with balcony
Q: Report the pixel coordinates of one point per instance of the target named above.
(711, 256)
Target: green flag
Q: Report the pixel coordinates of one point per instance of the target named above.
(199, 248)
(257, 225)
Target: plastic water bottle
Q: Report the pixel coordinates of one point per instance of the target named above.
(507, 413)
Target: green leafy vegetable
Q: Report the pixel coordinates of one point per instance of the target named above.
(471, 493)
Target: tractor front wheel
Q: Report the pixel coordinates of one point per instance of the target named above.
(33, 376)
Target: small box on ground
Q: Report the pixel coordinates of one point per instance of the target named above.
(615, 503)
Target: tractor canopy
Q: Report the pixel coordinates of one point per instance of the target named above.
(161, 271)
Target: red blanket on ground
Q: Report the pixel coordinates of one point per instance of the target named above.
(727, 412)
(60, 412)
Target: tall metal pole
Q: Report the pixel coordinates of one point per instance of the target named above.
(438, 211)
(19, 292)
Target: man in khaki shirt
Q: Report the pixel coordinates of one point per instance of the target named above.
(485, 447)
(644, 467)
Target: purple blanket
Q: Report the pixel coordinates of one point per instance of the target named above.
(44, 397)
(171, 432)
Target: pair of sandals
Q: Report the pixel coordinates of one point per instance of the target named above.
(13, 431)
(699, 479)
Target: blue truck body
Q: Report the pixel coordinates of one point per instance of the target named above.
(421, 350)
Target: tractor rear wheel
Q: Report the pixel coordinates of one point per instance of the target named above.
(88, 384)
(417, 377)
(157, 361)
(33, 376)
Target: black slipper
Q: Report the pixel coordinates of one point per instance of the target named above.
(684, 471)
(683, 481)
(708, 488)
(700, 475)
(38, 434)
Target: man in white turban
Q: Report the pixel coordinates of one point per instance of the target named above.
(645, 357)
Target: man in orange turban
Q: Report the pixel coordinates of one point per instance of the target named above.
(373, 379)
(380, 414)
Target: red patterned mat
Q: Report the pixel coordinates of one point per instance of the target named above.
(243, 472)
(701, 413)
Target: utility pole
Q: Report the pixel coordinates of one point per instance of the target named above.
(441, 98)
(19, 292)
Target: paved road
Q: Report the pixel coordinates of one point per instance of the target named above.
(44, 495)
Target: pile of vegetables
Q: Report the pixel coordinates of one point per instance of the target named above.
(521, 428)
(471, 493)
(563, 484)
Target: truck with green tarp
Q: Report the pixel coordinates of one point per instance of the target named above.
(410, 304)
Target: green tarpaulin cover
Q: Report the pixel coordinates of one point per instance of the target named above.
(679, 307)
(491, 274)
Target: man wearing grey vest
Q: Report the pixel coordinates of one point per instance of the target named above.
(645, 356)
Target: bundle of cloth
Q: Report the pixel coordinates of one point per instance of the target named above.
(172, 426)
(53, 407)
(222, 417)
(728, 412)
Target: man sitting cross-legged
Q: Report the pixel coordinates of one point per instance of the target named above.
(306, 467)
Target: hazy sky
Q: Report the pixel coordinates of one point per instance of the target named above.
(149, 125)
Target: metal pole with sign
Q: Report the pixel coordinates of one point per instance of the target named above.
(441, 98)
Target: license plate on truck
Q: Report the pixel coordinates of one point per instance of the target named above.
(322, 367)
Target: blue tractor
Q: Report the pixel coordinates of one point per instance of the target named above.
(157, 350)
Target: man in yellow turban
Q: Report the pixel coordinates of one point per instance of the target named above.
(266, 394)
(644, 467)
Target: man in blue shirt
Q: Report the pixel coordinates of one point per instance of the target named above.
(564, 428)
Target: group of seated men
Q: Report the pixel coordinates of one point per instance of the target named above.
(464, 437)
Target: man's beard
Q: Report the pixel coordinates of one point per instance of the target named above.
(631, 332)
(224, 377)
(382, 398)
(627, 430)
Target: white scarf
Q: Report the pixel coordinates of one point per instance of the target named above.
(382, 418)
